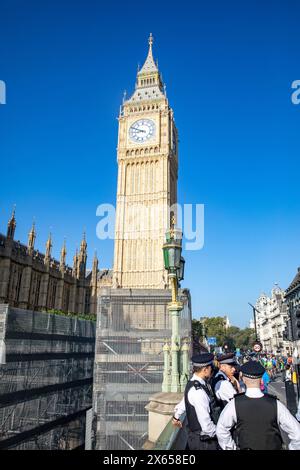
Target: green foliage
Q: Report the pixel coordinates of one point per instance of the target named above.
(215, 326)
(233, 336)
(80, 316)
(197, 328)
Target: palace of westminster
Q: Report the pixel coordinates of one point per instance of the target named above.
(34, 281)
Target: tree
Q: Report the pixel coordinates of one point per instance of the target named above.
(233, 336)
(215, 326)
(197, 328)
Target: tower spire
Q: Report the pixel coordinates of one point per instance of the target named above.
(82, 257)
(63, 254)
(83, 244)
(149, 65)
(31, 238)
(150, 40)
(95, 260)
(11, 226)
(48, 249)
(75, 263)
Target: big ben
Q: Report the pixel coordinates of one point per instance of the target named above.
(147, 181)
(133, 320)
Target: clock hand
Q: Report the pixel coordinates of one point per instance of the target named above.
(139, 130)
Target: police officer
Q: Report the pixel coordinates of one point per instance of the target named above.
(198, 402)
(257, 417)
(224, 384)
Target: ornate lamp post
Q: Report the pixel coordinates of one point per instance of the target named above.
(174, 264)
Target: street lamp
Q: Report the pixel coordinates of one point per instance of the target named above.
(174, 264)
(254, 310)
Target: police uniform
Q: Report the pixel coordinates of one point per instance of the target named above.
(198, 403)
(257, 418)
(221, 384)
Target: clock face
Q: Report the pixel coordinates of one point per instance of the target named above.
(142, 130)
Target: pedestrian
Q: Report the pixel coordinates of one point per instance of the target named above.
(265, 380)
(256, 417)
(200, 407)
(224, 383)
(288, 373)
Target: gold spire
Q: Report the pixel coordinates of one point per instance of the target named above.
(11, 226)
(48, 247)
(31, 238)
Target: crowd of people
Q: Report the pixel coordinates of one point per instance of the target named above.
(227, 405)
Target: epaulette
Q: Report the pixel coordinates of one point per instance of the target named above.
(197, 384)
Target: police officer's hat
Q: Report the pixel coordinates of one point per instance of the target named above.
(226, 359)
(253, 370)
(202, 360)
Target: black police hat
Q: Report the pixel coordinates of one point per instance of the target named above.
(253, 370)
(226, 358)
(202, 360)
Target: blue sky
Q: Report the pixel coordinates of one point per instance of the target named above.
(228, 67)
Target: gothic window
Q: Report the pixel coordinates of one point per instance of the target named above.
(51, 294)
(66, 298)
(87, 300)
(14, 284)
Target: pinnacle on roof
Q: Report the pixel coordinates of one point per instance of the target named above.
(149, 65)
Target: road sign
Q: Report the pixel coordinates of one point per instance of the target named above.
(212, 340)
(257, 347)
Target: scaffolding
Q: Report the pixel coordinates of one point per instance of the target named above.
(46, 375)
(132, 327)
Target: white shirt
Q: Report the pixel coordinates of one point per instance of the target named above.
(224, 389)
(298, 411)
(200, 401)
(228, 418)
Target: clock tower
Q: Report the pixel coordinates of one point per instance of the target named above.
(147, 181)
